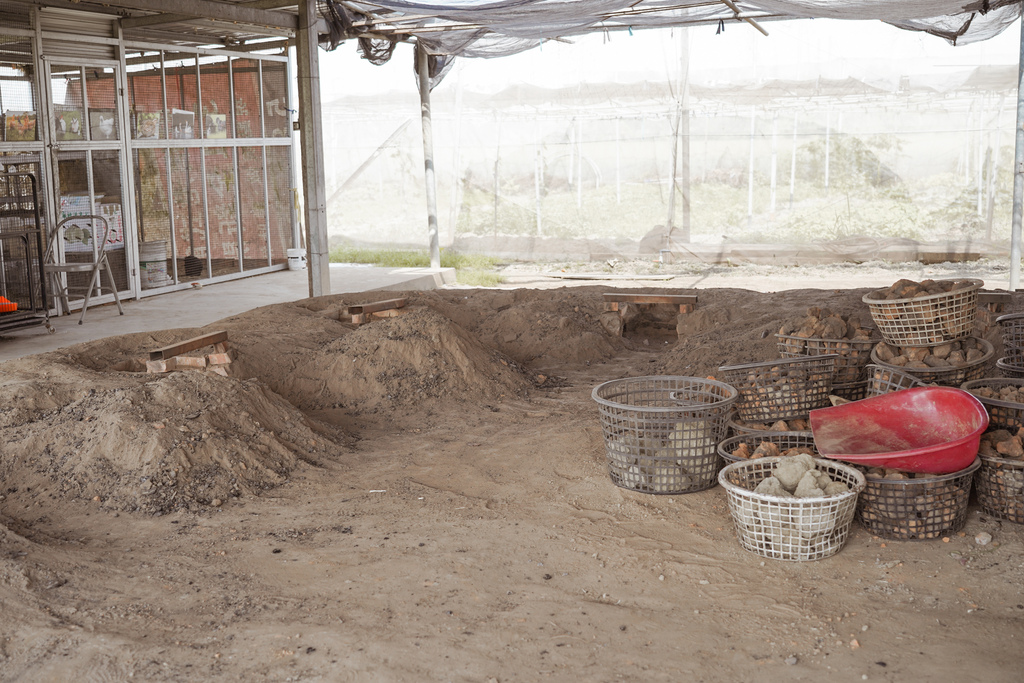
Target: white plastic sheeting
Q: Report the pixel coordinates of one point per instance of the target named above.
(493, 28)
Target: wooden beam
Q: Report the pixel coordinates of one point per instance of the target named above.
(311, 143)
(188, 345)
(204, 9)
(376, 306)
(680, 299)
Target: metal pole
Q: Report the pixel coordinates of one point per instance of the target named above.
(828, 131)
(684, 134)
(537, 166)
(775, 122)
(618, 170)
(980, 165)
(1018, 173)
(428, 155)
(670, 224)
(792, 162)
(750, 177)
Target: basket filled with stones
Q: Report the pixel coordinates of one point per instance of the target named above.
(661, 433)
(924, 313)
(914, 506)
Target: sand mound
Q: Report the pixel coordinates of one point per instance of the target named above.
(159, 443)
(541, 327)
(392, 363)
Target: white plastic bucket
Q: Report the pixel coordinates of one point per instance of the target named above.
(153, 264)
(296, 259)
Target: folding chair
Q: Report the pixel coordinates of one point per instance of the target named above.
(78, 237)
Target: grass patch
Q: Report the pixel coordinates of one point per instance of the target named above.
(470, 269)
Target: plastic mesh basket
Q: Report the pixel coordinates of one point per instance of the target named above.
(1002, 414)
(1011, 366)
(1000, 487)
(951, 376)
(852, 391)
(784, 440)
(926, 320)
(851, 354)
(737, 427)
(1012, 328)
(789, 528)
(779, 389)
(883, 380)
(916, 509)
(661, 433)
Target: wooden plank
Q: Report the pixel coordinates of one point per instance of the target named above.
(189, 345)
(993, 297)
(161, 365)
(679, 299)
(375, 306)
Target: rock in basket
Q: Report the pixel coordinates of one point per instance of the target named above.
(926, 320)
(794, 529)
(661, 433)
(780, 389)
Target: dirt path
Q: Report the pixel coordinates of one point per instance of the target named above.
(427, 498)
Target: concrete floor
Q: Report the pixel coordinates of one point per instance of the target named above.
(200, 306)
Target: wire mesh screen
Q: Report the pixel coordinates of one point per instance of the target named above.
(221, 185)
(15, 15)
(279, 170)
(182, 83)
(146, 96)
(245, 74)
(17, 90)
(215, 85)
(101, 92)
(277, 118)
(189, 213)
(253, 209)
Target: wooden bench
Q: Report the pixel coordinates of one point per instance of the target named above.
(627, 306)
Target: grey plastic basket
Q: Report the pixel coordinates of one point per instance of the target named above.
(1011, 366)
(661, 433)
(1002, 414)
(784, 440)
(793, 529)
(851, 354)
(926, 320)
(1000, 488)
(884, 380)
(780, 389)
(1012, 327)
(916, 509)
(951, 376)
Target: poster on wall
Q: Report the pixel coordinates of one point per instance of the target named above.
(216, 126)
(68, 124)
(182, 124)
(78, 236)
(101, 124)
(20, 126)
(147, 125)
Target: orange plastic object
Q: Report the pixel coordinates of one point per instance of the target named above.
(7, 306)
(936, 430)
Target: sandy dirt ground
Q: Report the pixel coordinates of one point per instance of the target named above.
(427, 498)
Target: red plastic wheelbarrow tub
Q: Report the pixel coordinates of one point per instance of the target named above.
(935, 430)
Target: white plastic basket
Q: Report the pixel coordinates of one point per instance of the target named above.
(795, 529)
